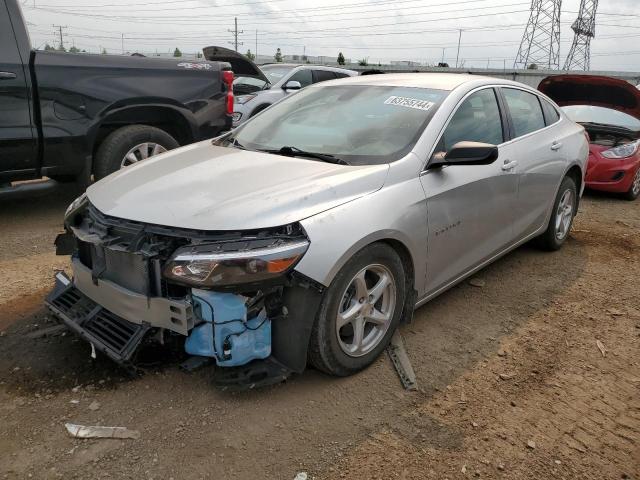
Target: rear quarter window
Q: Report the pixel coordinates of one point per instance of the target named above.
(551, 114)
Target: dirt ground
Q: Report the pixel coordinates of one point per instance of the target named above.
(535, 374)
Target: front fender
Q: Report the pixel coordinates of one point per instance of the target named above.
(396, 212)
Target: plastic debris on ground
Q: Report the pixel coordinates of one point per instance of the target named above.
(400, 359)
(82, 431)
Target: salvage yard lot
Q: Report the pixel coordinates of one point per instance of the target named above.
(534, 373)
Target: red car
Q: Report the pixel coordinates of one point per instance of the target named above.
(609, 110)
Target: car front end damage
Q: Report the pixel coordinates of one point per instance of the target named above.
(230, 297)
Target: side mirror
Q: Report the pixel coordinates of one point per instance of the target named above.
(292, 85)
(466, 153)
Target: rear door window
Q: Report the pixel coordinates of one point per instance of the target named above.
(303, 76)
(526, 112)
(476, 120)
(323, 76)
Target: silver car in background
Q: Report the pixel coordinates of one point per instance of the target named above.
(312, 231)
(254, 94)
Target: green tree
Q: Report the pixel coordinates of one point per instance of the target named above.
(340, 59)
(278, 55)
(104, 51)
(532, 66)
(48, 48)
(177, 52)
(363, 62)
(61, 48)
(250, 55)
(74, 49)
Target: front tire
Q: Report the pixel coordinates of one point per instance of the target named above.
(634, 190)
(359, 312)
(564, 211)
(129, 145)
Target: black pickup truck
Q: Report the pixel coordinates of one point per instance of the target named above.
(79, 116)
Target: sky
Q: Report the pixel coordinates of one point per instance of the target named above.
(424, 31)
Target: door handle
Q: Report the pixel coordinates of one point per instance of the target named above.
(7, 75)
(509, 165)
(556, 146)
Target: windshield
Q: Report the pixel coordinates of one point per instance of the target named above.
(275, 73)
(606, 116)
(360, 124)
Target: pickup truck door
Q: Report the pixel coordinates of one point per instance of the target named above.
(18, 152)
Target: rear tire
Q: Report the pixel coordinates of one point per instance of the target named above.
(563, 213)
(634, 190)
(115, 147)
(359, 312)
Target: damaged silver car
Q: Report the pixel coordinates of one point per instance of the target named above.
(312, 231)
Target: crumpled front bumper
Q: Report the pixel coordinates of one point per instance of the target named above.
(108, 333)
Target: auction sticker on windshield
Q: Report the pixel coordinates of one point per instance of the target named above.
(409, 102)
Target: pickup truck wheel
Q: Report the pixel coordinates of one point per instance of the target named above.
(129, 145)
(359, 312)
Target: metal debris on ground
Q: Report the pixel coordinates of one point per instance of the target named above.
(398, 355)
(600, 346)
(477, 282)
(82, 431)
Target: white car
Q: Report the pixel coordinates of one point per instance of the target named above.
(313, 230)
(252, 95)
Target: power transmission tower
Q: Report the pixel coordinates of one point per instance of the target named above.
(579, 57)
(541, 40)
(235, 35)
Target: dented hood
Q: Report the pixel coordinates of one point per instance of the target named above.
(206, 187)
(593, 90)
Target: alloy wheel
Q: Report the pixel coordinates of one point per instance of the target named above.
(366, 310)
(564, 214)
(141, 152)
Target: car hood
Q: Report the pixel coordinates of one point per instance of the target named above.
(206, 187)
(240, 64)
(594, 90)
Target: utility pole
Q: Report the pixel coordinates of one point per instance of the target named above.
(458, 55)
(256, 45)
(123, 44)
(59, 28)
(443, 49)
(235, 35)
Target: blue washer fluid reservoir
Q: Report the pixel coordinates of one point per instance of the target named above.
(225, 334)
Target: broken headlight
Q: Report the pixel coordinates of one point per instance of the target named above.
(622, 151)
(203, 266)
(75, 206)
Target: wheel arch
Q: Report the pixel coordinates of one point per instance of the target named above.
(164, 117)
(577, 175)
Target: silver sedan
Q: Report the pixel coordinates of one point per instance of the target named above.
(313, 230)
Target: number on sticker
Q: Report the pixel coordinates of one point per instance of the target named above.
(409, 102)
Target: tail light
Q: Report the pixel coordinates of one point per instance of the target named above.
(227, 78)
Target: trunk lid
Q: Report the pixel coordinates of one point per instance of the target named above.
(240, 64)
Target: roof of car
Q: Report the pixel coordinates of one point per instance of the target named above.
(438, 81)
(308, 65)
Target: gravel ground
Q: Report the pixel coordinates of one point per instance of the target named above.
(535, 374)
